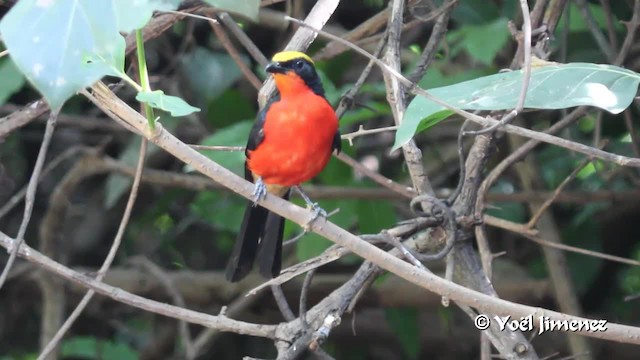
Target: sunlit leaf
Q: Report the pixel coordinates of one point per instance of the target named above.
(552, 87)
(172, 104)
(51, 47)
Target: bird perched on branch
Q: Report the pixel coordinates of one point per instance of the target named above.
(290, 143)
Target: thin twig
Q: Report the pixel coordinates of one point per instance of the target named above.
(597, 34)
(282, 303)
(362, 132)
(544, 206)
(221, 323)
(304, 293)
(53, 343)
(347, 100)
(378, 178)
(217, 148)
(435, 39)
(242, 37)
(632, 27)
(178, 300)
(578, 250)
(31, 193)
(221, 34)
(15, 199)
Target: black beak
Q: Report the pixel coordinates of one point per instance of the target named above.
(275, 68)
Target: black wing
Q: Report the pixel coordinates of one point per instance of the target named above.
(256, 135)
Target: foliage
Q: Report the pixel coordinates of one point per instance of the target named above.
(67, 45)
(551, 87)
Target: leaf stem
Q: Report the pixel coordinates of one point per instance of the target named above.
(144, 77)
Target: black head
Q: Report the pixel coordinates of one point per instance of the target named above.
(287, 62)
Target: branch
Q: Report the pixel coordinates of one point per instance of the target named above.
(113, 106)
(31, 193)
(107, 261)
(318, 16)
(221, 323)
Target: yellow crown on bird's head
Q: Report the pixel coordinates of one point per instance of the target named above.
(285, 56)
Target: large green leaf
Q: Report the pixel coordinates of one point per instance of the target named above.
(248, 8)
(67, 45)
(552, 87)
(50, 47)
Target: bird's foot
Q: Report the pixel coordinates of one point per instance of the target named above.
(317, 210)
(259, 191)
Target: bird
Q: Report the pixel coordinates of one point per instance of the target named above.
(291, 142)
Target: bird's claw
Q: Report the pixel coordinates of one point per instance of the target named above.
(259, 191)
(317, 212)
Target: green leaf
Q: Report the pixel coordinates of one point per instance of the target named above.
(404, 322)
(375, 216)
(475, 12)
(117, 350)
(80, 347)
(202, 65)
(87, 347)
(51, 48)
(222, 210)
(233, 135)
(172, 104)
(133, 15)
(230, 108)
(248, 8)
(551, 87)
(482, 42)
(12, 79)
(578, 24)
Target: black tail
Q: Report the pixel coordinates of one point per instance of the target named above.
(260, 233)
(246, 247)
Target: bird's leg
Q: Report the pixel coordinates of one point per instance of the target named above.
(259, 191)
(317, 210)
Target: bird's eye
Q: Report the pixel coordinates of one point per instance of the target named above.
(299, 64)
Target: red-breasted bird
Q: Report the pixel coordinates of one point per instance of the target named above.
(290, 143)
